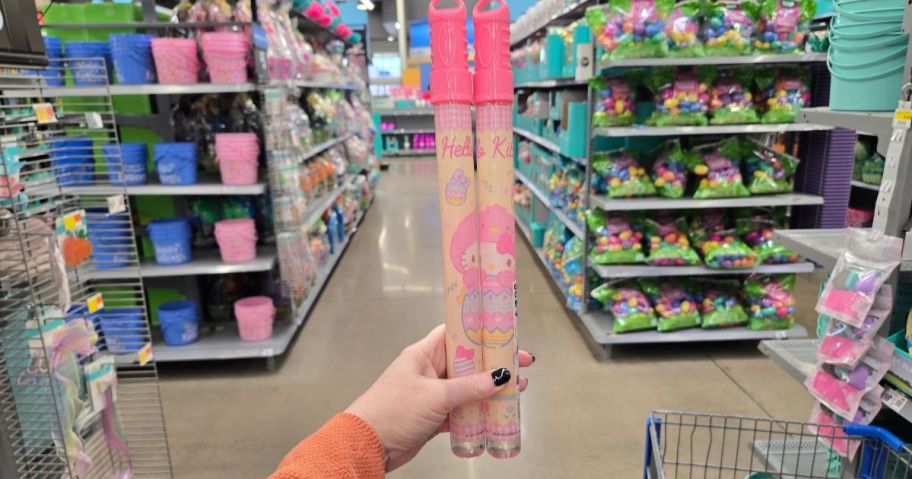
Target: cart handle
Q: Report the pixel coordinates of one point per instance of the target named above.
(874, 432)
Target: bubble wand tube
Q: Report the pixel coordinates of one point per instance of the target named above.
(451, 94)
(497, 227)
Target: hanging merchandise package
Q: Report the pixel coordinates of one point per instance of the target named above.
(681, 96)
(783, 93)
(771, 303)
(622, 171)
(669, 172)
(630, 308)
(828, 426)
(723, 250)
(718, 168)
(728, 27)
(720, 304)
(844, 345)
(768, 171)
(842, 389)
(682, 28)
(731, 101)
(615, 97)
(784, 25)
(617, 241)
(867, 261)
(673, 302)
(642, 24)
(703, 223)
(668, 242)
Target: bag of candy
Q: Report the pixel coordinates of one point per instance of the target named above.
(718, 167)
(720, 304)
(629, 306)
(669, 172)
(615, 98)
(642, 32)
(606, 25)
(723, 250)
(769, 171)
(572, 270)
(673, 302)
(682, 27)
(770, 299)
(729, 27)
(681, 96)
(730, 98)
(757, 232)
(623, 173)
(704, 223)
(668, 243)
(784, 25)
(617, 241)
(784, 93)
(555, 188)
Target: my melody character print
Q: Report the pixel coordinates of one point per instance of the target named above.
(464, 255)
(498, 279)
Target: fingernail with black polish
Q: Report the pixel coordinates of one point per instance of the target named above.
(501, 376)
(533, 357)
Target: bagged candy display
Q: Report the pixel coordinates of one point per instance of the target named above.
(572, 270)
(757, 232)
(768, 171)
(718, 167)
(629, 306)
(616, 241)
(669, 172)
(615, 99)
(723, 250)
(729, 27)
(642, 29)
(720, 304)
(771, 303)
(675, 305)
(623, 173)
(681, 96)
(668, 244)
(784, 94)
(682, 27)
(730, 99)
(704, 223)
(784, 25)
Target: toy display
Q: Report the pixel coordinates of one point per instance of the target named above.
(720, 304)
(681, 96)
(783, 25)
(771, 303)
(673, 302)
(630, 308)
(614, 104)
(668, 242)
(623, 173)
(617, 240)
(718, 168)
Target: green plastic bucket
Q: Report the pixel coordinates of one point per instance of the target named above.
(870, 86)
(859, 52)
(866, 30)
(868, 14)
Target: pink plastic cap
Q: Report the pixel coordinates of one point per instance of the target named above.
(451, 80)
(493, 75)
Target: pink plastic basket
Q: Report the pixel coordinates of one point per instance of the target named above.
(236, 239)
(176, 60)
(236, 154)
(226, 56)
(255, 316)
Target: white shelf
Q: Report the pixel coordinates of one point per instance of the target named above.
(406, 112)
(225, 343)
(798, 357)
(822, 246)
(719, 60)
(312, 84)
(599, 326)
(151, 89)
(655, 203)
(640, 130)
(639, 271)
(546, 144)
(878, 123)
(556, 83)
(321, 147)
(865, 186)
(318, 206)
(568, 11)
(391, 153)
(207, 186)
(203, 263)
(573, 226)
(407, 131)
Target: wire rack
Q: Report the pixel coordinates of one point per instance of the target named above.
(42, 170)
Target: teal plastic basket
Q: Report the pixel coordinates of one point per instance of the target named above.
(858, 52)
(853, 11)
(865, 30)
(869, 86)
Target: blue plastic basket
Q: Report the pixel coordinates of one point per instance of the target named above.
(72, 160)
(176, 163)
(123, 329)
(179, 321)
(126, 163)
(171, 241)
(132, 57)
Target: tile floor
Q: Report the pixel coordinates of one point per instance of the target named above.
(581, 418)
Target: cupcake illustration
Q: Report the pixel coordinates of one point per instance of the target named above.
(456, 188)
(464, 363)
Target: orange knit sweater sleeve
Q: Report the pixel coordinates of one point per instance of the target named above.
(346, 447)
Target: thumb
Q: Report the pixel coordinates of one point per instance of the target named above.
(475, 387)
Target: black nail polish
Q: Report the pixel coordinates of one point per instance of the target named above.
(533, 357)
(501, 376)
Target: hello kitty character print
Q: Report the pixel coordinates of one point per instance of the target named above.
(464, 257)
(497, 248)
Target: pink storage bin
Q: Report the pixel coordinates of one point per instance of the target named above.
(858, 217)
(226, 56)
(176, 60)
(236, 239)
(255, 316)
(236, 154)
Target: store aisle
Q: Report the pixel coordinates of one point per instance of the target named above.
(581, 418)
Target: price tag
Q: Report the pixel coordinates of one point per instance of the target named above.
(782, 335)
(894, 399)
(116, 204)
(93, 120)
(100, 375)
(44, 113)
(584, 63)
(95, 302)
(902, 118)
(145, 355)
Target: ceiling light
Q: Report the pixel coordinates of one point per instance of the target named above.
(390, 39)
(368, 4)
(361, 6)
(398, 26)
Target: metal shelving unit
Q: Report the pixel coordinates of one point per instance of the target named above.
(203, 263)
(651, 203)
(643, 271)
(865, 186)
(405, 112)
(546, 144)
(151, 89)
(559, 83)
(569, 13)
(728, 60)
(571, 225)
(207, 186)
(822, 246)
(412, 131)
(640, 130)
(798, 357)
(405, 153)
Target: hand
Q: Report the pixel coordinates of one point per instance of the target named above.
(408, 404)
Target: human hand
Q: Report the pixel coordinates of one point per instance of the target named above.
(408, 404)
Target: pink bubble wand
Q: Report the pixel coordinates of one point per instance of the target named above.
(497, 227)
(451, 95)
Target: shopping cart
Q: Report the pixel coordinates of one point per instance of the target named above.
(694, 445)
